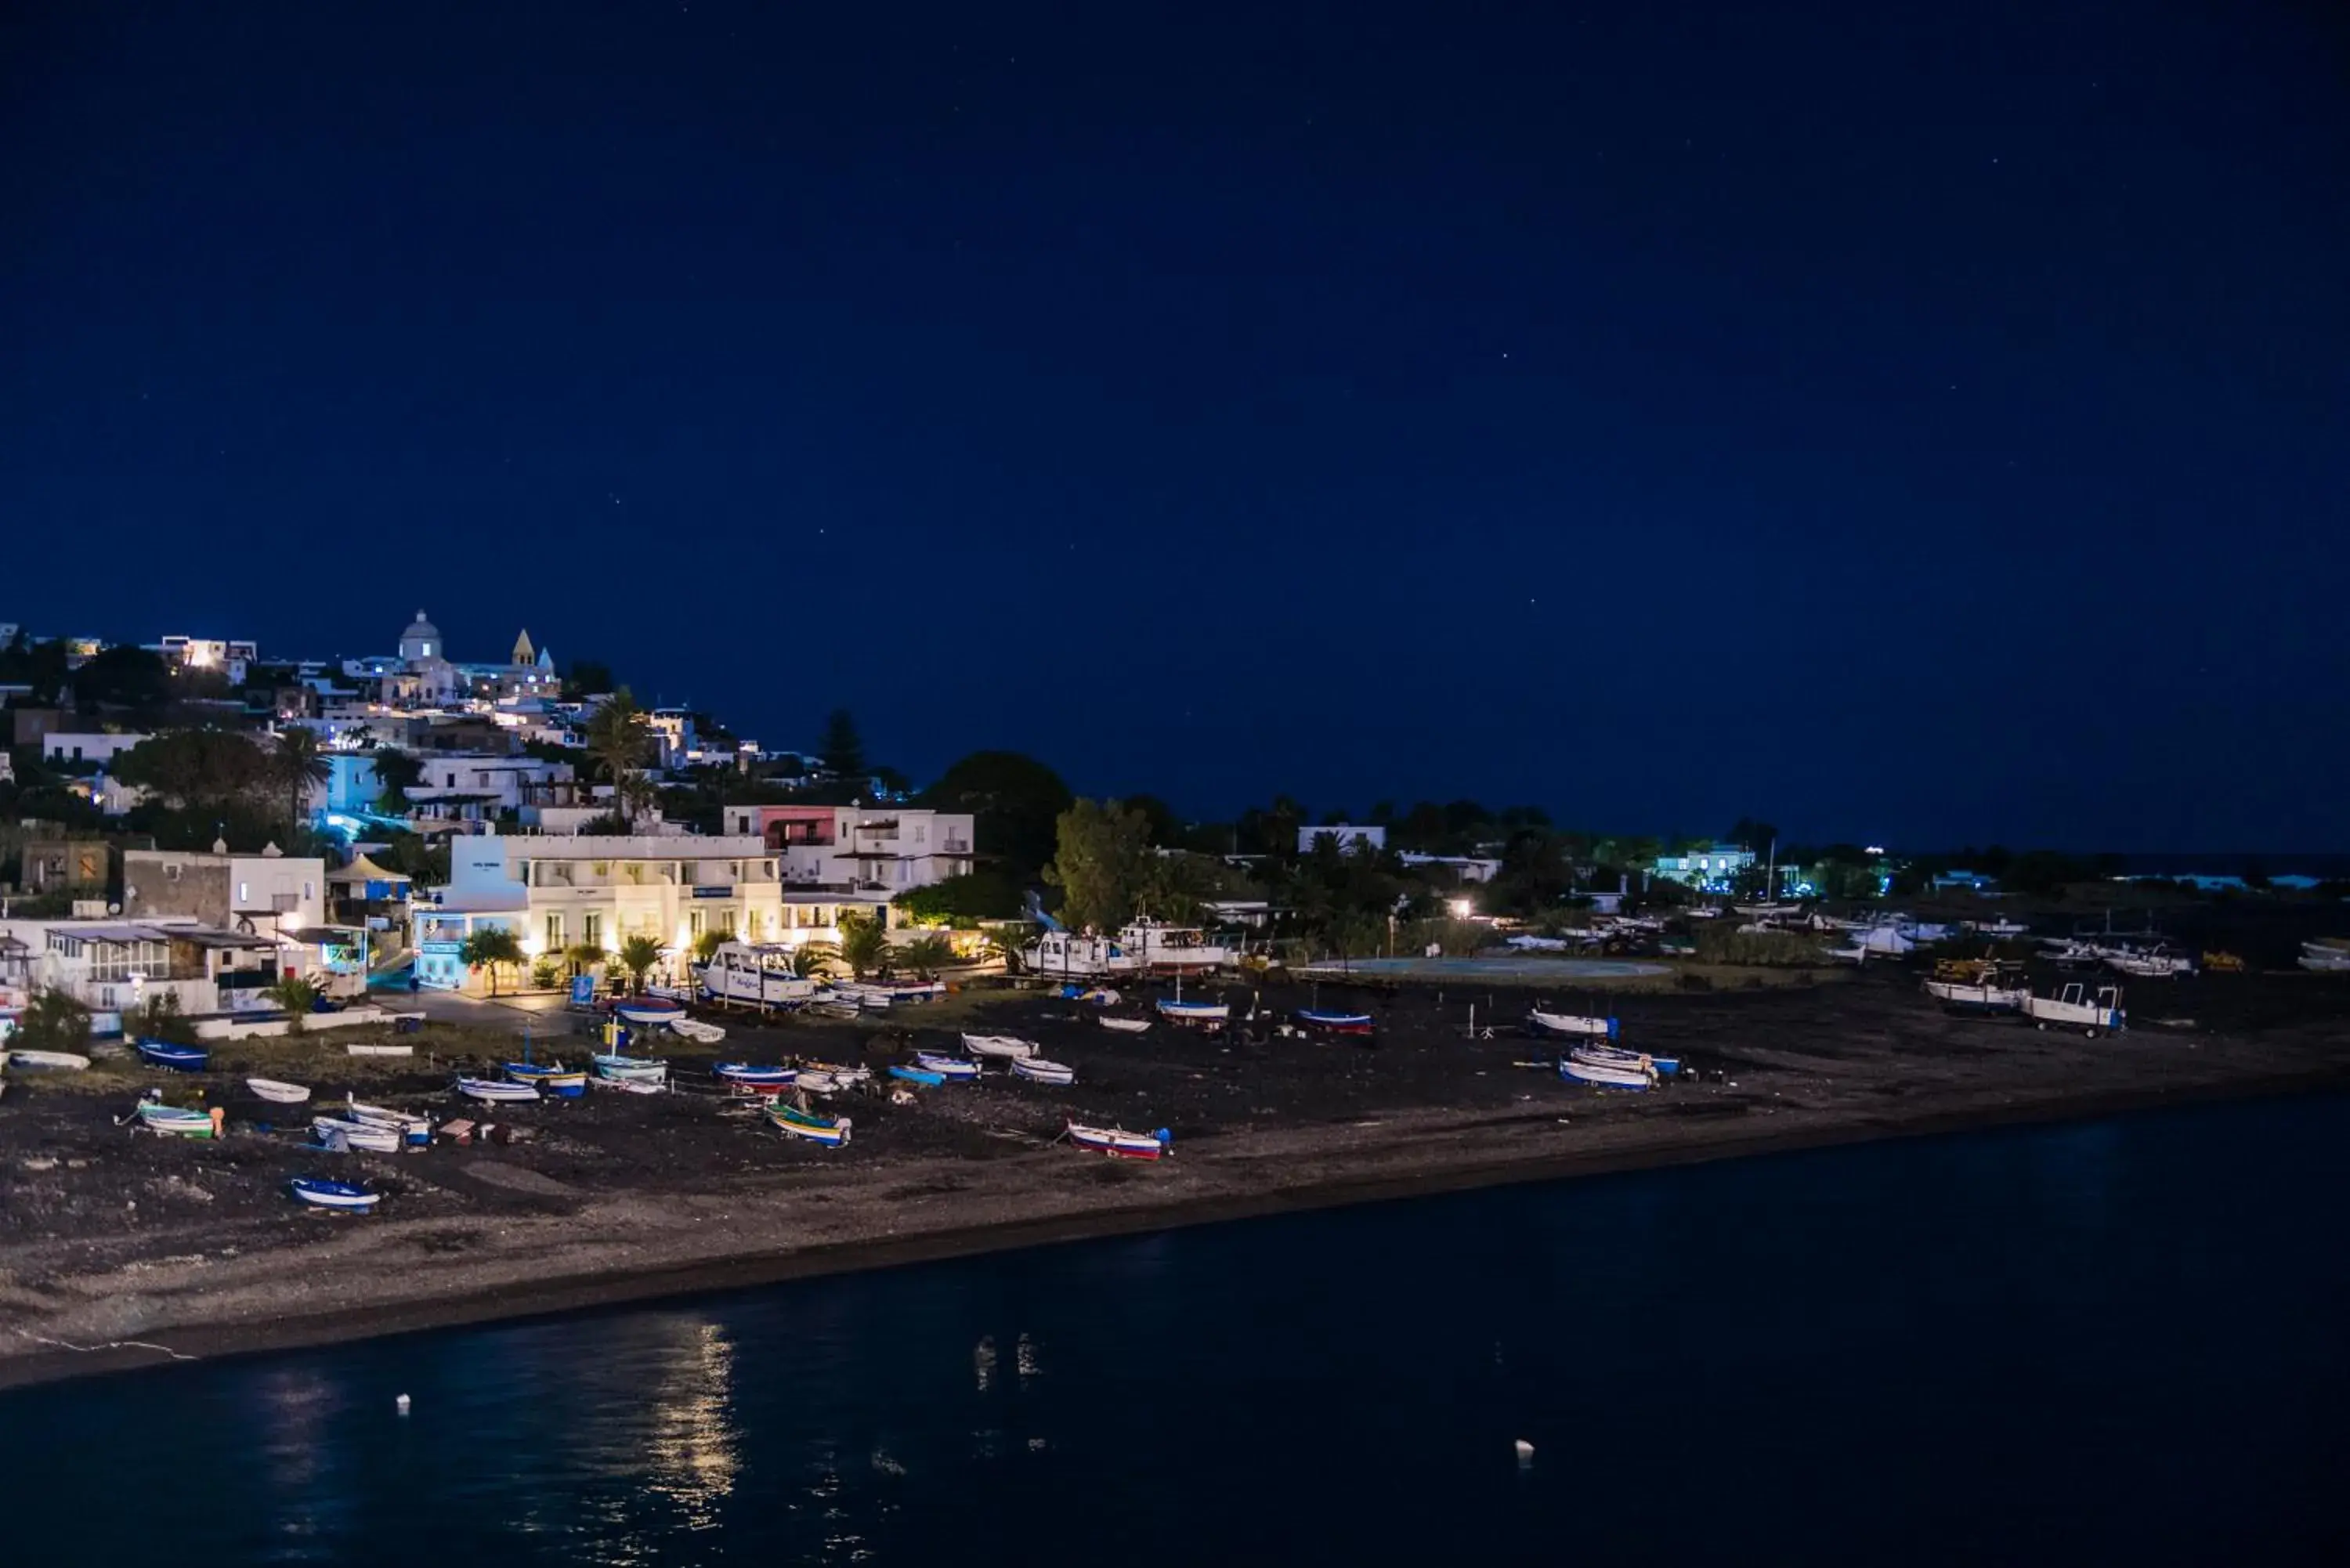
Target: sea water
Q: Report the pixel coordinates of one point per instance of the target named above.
(2120, 1341)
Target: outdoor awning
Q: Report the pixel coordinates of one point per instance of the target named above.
(219, 940)
(363, 869)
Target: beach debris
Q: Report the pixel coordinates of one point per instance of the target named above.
(400, 1404)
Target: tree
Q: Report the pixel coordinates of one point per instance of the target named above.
(395, 772)
(843, 750)
(1099, 864)
(814, 960)
(489, 948)
(865, 944)
(160, 1018)
(985, 895)
(927, 954)
(122, 676)
(296, 998)
(1016, 802)
(583, 956)
(617, 737)
(296, 767)
(1009, 943)
(640, 955)
(706, 945)
(196, 769)
(53, 1021)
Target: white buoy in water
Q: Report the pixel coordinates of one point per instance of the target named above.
(1525, 1453)
(400, 1404)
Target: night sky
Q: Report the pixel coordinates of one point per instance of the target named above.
(1909, 424)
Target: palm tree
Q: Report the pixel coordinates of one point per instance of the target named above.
(296, 768)
(488, 947)
(640, 955)
(814, 960)
(865, 944)
(706, 945)
(584, 955)
(928, 953)
(1007, 943)
(297, 997)
(617, 735)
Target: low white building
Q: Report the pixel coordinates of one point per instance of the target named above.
(114, 966)
(478, 788)
(886, 850)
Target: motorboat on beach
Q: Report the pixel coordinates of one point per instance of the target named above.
(2075, 1008)
(1605, 1075)
(1037, 1070)
(1334, 1023)
(1143, 946)
(1618, 1056)
(1120, 1144)
(1007, 1047)
(178, 1058)
(158, 1118)
(550, 1077)
(953, 1069)
(1571, 1024)
(46, 1061)
(2150, 963)
(1985, 995)
(831, 1132)
(492, 1090)
(756, 974)
(349, 1133)
(414, 1131)
(921, 1076)
(339, 1195)
(2324, 956)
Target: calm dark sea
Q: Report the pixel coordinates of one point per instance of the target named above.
(2119, 1341)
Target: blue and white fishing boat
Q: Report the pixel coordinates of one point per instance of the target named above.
(414, 1131)
(1180, 1011)
(1616, 1056)
(1571, 1024)
(952, 1069)
(1037, 1070)
(178, 1058)
(322, 1194)
(1334, 1023)
(753, 1079)
(917, 1076)
(491, 1091)
(1605, 1075)
(349, 1133)
(647, 1011)
(549, 1078)
(611, 1067)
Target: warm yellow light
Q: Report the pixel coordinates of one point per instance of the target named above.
(1462, 909)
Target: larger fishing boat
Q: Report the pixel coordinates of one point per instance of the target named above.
(756, 974)
(1143, 947)
(2074, 1008)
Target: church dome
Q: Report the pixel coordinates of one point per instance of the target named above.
(420, 640)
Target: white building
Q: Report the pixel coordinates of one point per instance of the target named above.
(1711, 870)
(886, 850)
(114, 966)
(1351, 836)
(231, 656)
(477, 787)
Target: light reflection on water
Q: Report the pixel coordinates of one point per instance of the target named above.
(1904, 1318)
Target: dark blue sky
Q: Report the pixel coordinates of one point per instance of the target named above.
(1911, 424)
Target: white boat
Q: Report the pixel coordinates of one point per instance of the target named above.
(1854, 954)
(1037, 1070)
(1571, 1024)
(612, 1067)
(2000, 928)
(278, 1093)
(1162, 949)
(953, 1069)
(1069, 956)
(756, 974)
(2158, 963)
(156, 1117)
(1120, 1143)
(2074, 1008)
(1978, 997)
(2065, 951)
(2320, 957)
(1126, 1025)
(1532, 944)
(491, 1091)
(340, 1195)
(414, 1131)
(343, 1132)
(701, 1033)
(1194, 1011)
(1607, 1075)
(380, 1050)
(1005, 1046)
(47, 1061)
(815, 1081)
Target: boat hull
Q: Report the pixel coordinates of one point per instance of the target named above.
(489, 1091)
(951, 1069)
(338, 1195)
(177, 1058)
(1606, 1075)
(1036, 1070)
(918, 1075)
(1117, 1143)
(830, 1132)
(278, 1093)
